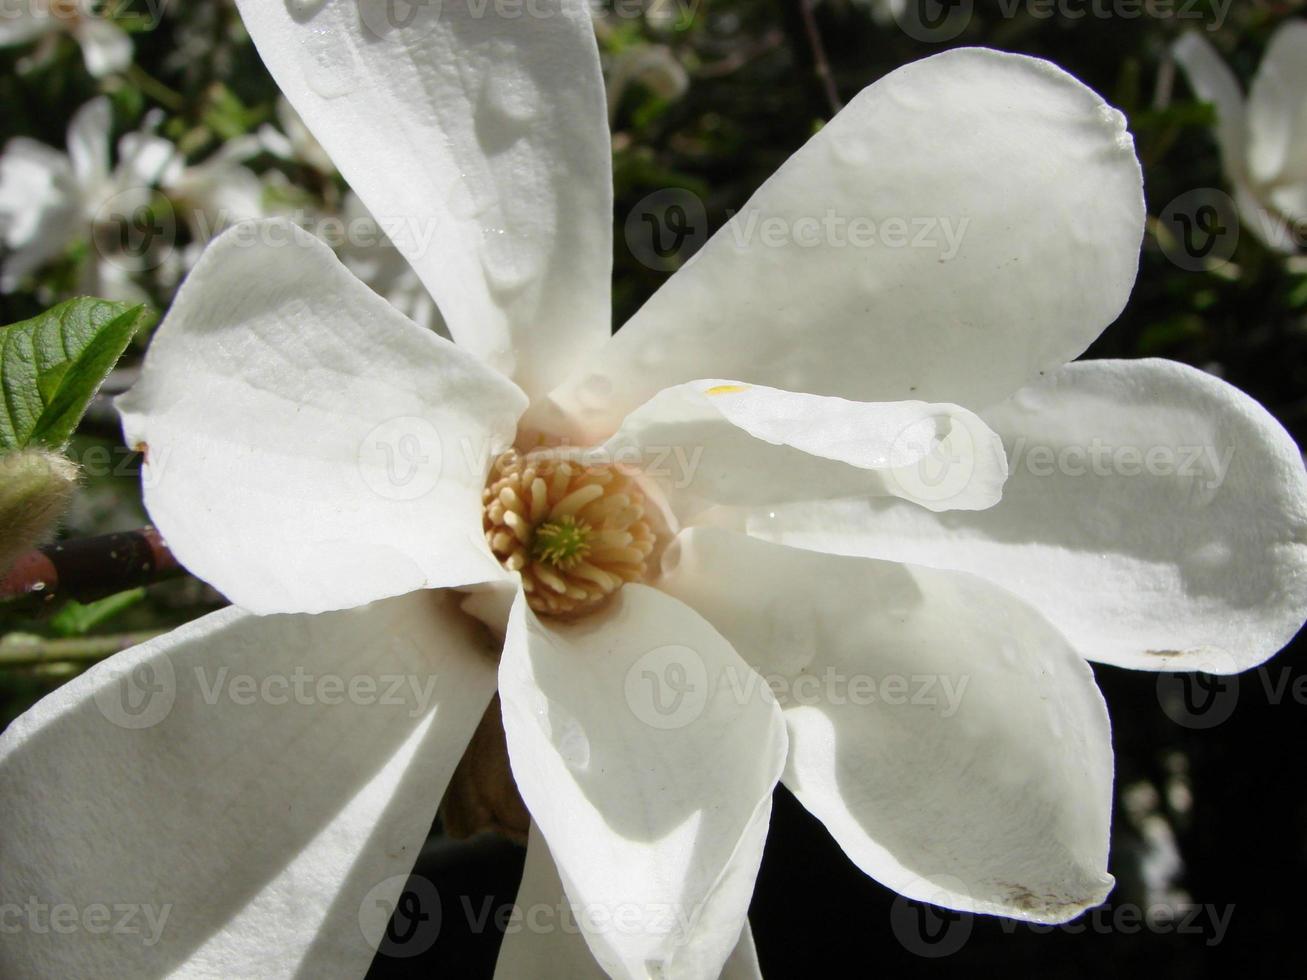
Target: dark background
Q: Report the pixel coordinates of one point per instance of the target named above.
(1227, 780)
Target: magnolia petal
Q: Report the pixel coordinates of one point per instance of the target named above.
(646, 751)
(949, 738)
(721, 442)
(479, 140)
(88, 143)
(544, 941)
(23, 23)
(307, 447)
(106, 47)
(145, 159)
(1156, 514)
(743, 962)
(1212, 81)
(40, 212)
(1277, 113)
(1008, 213)
(255, 788)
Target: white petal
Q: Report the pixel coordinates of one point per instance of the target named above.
(544, 939)
(1270, 228)
(743, 962)
(1157, 515)
(1008, 213)
(106, 47)
(40, 212)
(1277, 110)
(646, 751)
(24, 22)
(88, 143)
(1212, 81)
(145, 160)
(245, 784)
(479, 139)
(949, 738)
(720, 442)
(308, 448)
(370, 255)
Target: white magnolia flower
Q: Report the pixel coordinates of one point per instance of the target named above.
(106, 47)
(1263, 139)
(50, 200)
(324, 462)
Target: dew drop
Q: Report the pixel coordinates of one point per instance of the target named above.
(509, 94)
(328, 67)
(510, 259)
(595, 392)
(303, 9)
(573, 745)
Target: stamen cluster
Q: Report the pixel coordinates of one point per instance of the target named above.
(576, 532)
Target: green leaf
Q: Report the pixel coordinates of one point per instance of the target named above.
(77, 618)
(52, 365)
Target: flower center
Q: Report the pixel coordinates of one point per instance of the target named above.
(575, 532)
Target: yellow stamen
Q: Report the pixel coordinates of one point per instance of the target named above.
(575, 533)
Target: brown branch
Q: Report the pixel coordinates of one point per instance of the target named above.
(820, 63)
(86, 569)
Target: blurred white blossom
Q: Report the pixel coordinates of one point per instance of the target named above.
(293, 142)
(106, 47)
(50, 200)
(655, 66)
(1263, 138)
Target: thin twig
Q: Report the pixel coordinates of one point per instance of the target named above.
(86, 569)
(29, 650)
(820, 63)
(155, 89)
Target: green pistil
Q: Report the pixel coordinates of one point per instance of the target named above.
(561, 543)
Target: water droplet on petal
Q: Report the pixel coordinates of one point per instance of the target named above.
(303, 9)
(328, 66)
(573, 745)
(509, 94)
(595, 392)
(510, 259)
